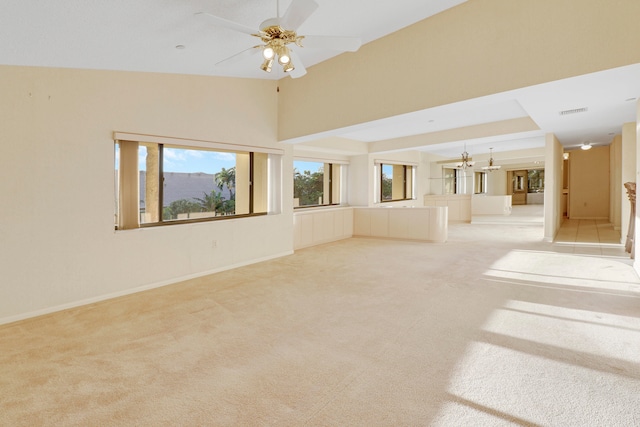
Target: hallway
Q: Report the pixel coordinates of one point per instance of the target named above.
(589, 237)
(576, 236)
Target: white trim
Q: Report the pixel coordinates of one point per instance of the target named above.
(393, 162)
(122, 136)
(274, 184)
(594, 218)
(320, 159)
(49, 310)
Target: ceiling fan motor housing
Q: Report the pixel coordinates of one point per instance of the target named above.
(271, 22)
(274, 35)
(277, 33)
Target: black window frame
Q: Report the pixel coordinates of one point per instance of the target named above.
(331, 198)
(406, 179)
(163, 222)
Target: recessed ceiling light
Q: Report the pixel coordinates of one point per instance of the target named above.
(180, 46)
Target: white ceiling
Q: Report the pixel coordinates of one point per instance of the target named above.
(143, 35)
(610, 98)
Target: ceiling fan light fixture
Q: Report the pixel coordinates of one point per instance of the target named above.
(284, 56)
(268, 52)
(266, 65)
(288, 67)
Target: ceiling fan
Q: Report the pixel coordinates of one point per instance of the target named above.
(278, 36)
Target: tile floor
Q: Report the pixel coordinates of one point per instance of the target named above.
(589, 237)
(576, 236)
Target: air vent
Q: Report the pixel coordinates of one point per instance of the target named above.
(574, 111)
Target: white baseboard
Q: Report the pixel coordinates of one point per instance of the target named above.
(598, 218)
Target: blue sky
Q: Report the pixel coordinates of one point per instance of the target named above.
(302, 166)
(183, 160)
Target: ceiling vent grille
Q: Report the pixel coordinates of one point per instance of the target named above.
(574, 111)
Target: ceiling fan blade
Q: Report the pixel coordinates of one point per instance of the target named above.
(229, 24)
(350, 44)
(234, 59)
(298, 12)
(299, 69)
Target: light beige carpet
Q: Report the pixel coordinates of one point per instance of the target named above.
(491, 328)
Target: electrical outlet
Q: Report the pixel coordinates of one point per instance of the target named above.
(214, 244)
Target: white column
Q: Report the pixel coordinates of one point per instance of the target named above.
(552, 187)
(628, 174)
(636, 263)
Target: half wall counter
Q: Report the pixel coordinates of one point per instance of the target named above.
(482, 204)
(427, 224)
(459, 205)
(317, 226)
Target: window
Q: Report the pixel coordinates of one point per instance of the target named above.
(480, 182)
(316, 183)
(450, 181)
(396, 182)
(535, 178)
(159, 184)
(458, 181)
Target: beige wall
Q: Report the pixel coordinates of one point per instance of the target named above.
(360, 180)
(497, 183)
(553, 180)
(58, 244)
(615, 181)
(478, 48)
(589, 183)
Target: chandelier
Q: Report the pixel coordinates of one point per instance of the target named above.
(491, 166)
(466, 160)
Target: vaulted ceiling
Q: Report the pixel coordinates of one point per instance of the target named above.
(168, 36)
